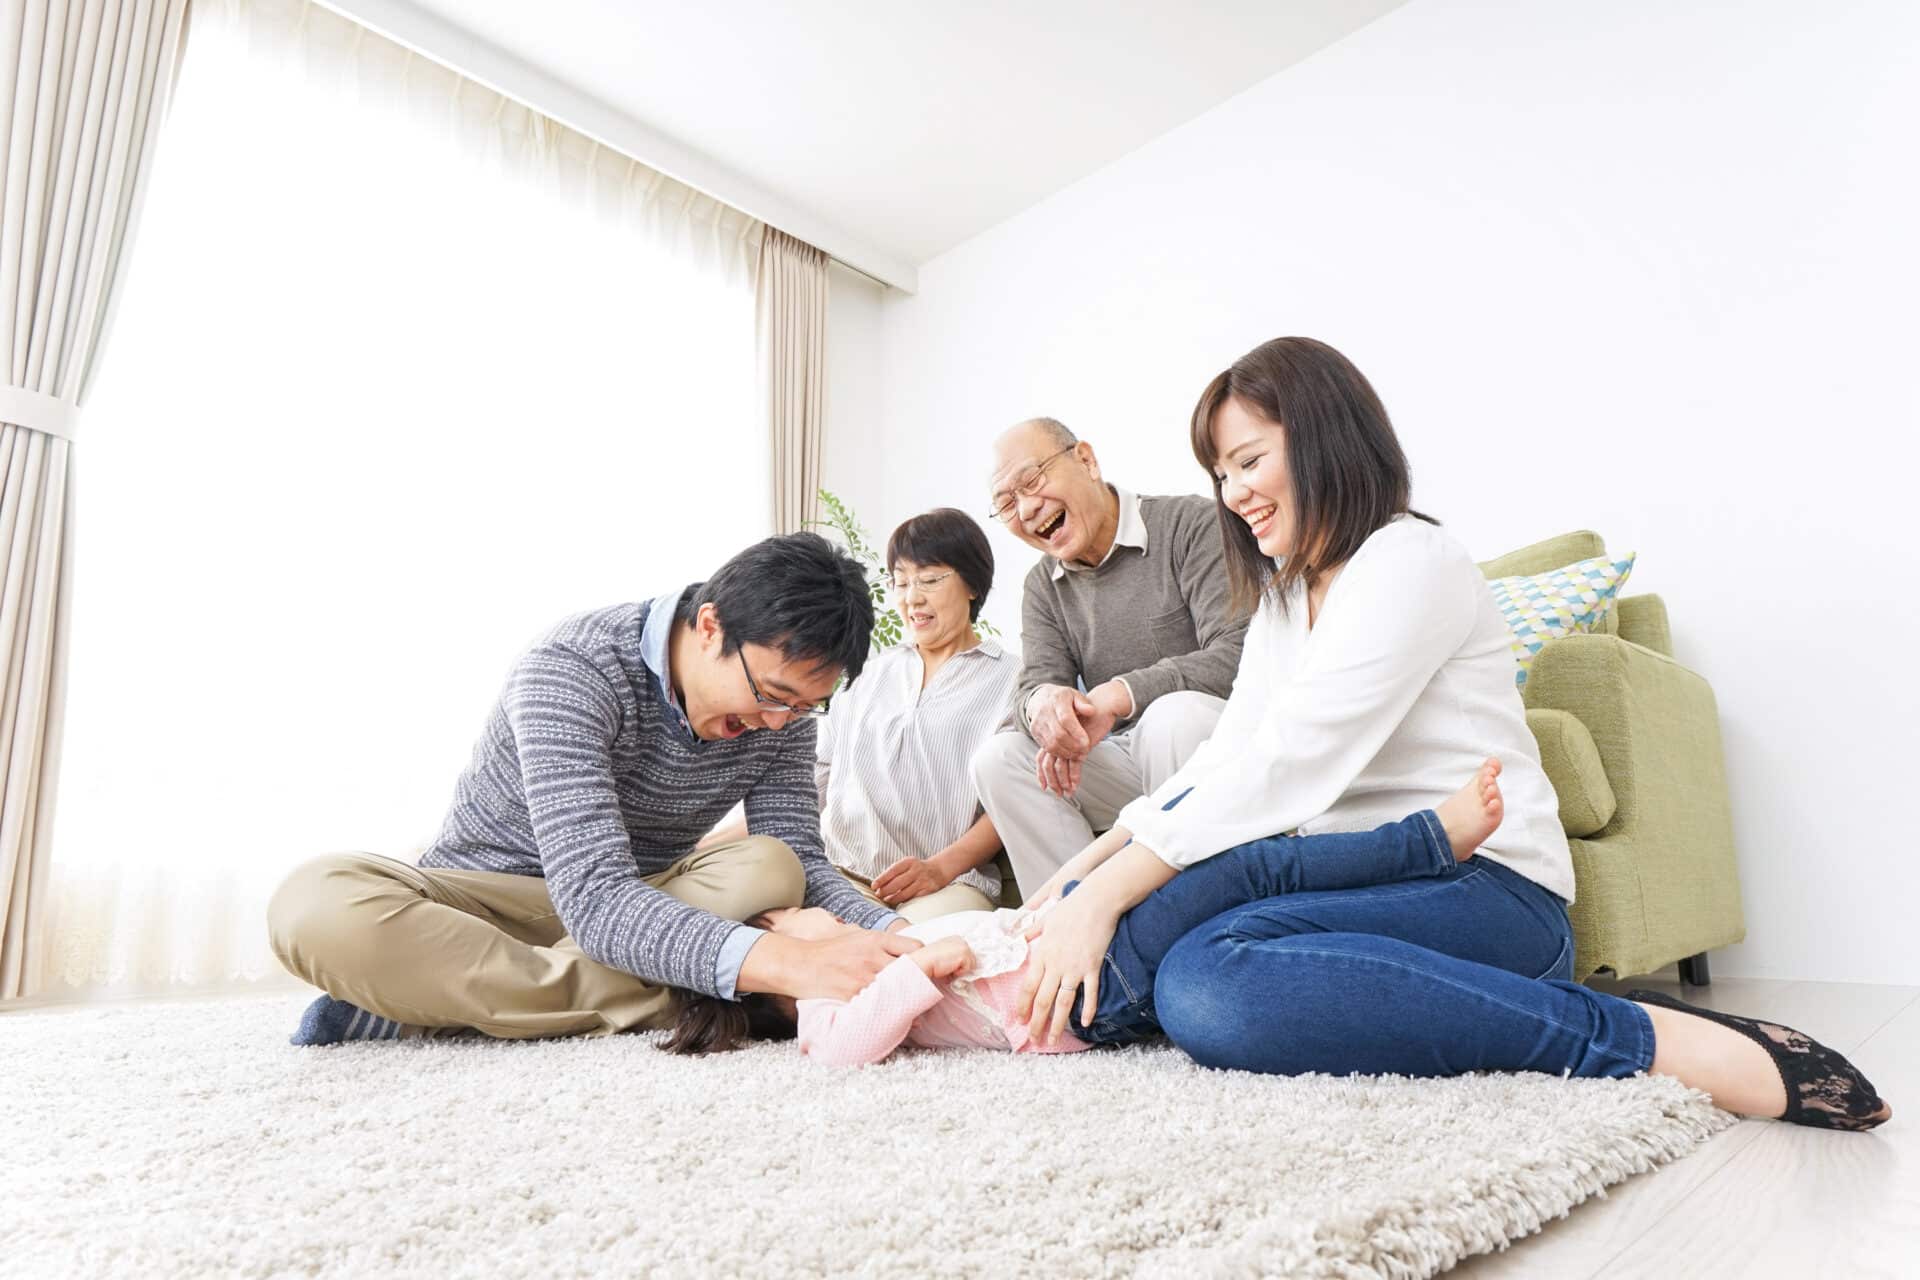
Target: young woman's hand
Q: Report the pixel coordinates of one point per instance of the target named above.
(946, 958)
(1063, 958)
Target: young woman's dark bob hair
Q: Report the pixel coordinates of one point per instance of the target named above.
(1348, 473)
(948, 536)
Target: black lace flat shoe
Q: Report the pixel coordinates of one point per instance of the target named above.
(1824, 1090)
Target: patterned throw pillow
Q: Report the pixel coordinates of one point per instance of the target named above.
(1540, 606)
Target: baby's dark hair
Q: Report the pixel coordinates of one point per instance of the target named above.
(708, 1024)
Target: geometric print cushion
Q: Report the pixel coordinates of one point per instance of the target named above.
(1540, 606)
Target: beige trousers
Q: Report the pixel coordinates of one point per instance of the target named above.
(441, 947)
(1041, 830)
(931, 906)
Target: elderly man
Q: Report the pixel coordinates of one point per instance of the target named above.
(1129, 650)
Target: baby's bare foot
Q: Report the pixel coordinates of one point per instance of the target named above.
(1473, 813)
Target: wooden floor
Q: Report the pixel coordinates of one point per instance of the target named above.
(1764, 1199)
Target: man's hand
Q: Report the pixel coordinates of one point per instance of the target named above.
(1057, 773)
(947, 958)
(1057, 717)
(836, 968)
(907, 879)
(1067, 724)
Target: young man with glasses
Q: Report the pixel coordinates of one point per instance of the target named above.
(1129, 650)
(564, 894)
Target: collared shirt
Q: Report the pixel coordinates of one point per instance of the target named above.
(654, 638)
(1130, 532)
(891, 761)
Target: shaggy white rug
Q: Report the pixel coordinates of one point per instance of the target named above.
(190, 1139)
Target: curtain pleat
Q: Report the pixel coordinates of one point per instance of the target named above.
(83, 87)
(791, 336)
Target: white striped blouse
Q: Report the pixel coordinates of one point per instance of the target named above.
(892, 760)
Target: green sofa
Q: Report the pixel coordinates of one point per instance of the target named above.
(1631, 741)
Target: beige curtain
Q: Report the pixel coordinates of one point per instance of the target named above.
(83, 87)
(791, 335)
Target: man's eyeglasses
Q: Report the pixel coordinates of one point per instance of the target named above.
(813, 712)
(1025, 485)
(924, 581)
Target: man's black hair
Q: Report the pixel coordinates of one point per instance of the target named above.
(795, 592)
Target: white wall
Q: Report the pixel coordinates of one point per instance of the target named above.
(853, 463)
(1642, 267)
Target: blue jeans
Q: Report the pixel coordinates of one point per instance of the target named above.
(1466, 971)
(1414, 848)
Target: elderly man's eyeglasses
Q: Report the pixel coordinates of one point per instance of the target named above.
(1025, 485)
(813, 712)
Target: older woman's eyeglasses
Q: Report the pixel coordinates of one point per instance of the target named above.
(924, 581)
(1024, 485)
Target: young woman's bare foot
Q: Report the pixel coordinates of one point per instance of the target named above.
(1473, 813)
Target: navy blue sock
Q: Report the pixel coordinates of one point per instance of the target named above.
(330, 1021)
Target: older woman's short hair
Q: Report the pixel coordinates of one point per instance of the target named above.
(948, 536)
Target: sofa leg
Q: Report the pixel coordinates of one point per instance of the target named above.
(1694, 971)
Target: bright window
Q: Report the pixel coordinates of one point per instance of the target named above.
(375, 411)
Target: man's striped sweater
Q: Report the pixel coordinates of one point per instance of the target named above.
(587, 775)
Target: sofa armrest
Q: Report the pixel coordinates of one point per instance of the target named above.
(1643, 620)
(1654, 722)
(1573, 766)
(1667, 855)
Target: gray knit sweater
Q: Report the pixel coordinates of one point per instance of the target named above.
(585, 775)
(1156, 618)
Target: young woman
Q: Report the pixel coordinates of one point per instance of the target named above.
(1376, 667)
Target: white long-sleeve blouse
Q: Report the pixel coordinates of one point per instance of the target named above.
(1385, 706)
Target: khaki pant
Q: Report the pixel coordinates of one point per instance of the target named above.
(930, 906)
(440, 947)
(1041, 830)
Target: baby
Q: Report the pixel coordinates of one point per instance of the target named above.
(962, 989)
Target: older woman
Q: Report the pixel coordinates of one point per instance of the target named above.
(897, 807)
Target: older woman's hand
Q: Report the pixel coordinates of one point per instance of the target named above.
(907, 879)
(1064, 955)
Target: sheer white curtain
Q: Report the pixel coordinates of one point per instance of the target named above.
(402, 375)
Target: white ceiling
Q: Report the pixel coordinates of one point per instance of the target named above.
(909, 125)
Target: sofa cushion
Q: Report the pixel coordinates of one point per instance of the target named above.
(1550, 554)
(1572, 762)
(1539, 607)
